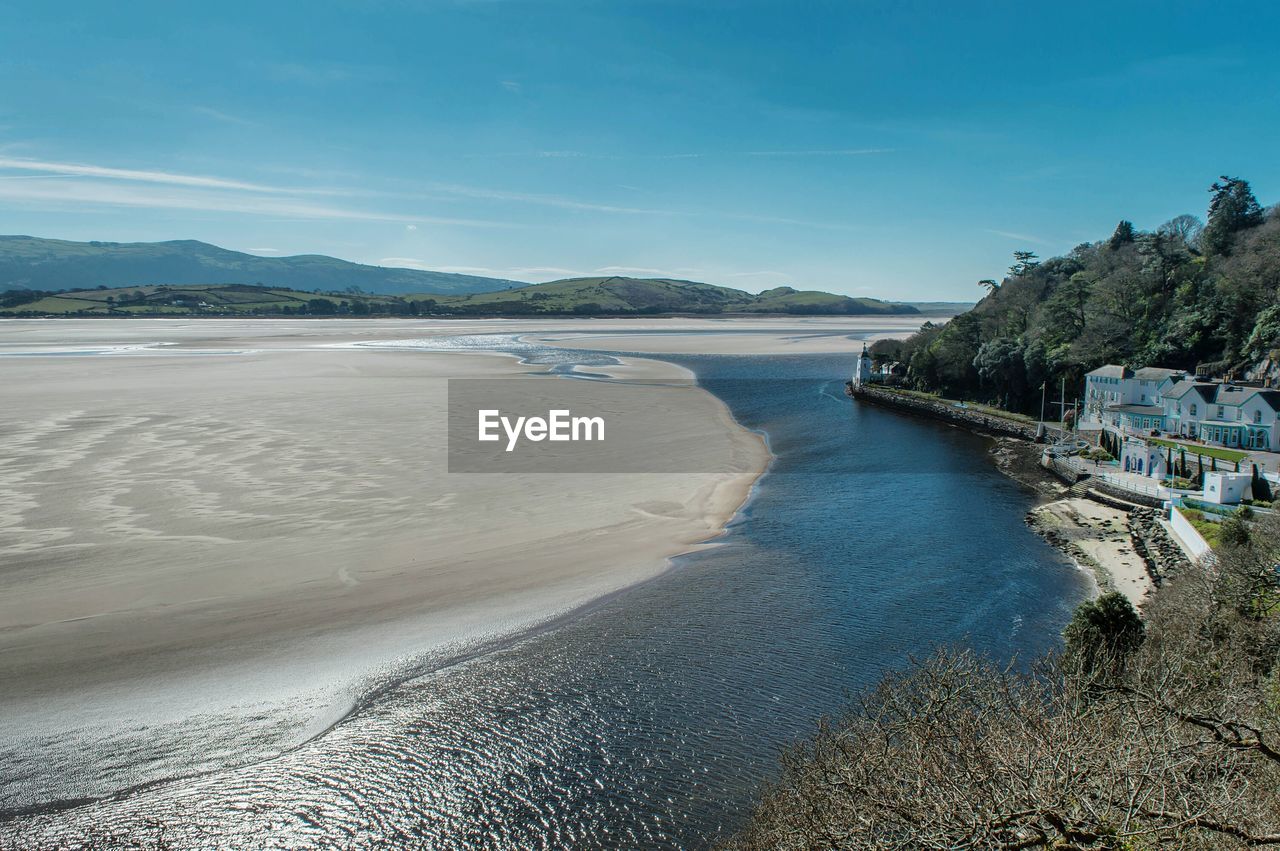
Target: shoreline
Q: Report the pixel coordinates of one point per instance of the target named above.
(714, 504)
(1098, 538)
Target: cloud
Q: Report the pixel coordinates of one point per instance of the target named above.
(512, 86)
(219, 115)
(763, 273)
(264, 250)
(536, 272)
(1018, 237)
(544, 200)
(84, 170)
(320, 73)
(410, 227)
(647, 270)
(842, 152)
(73, 194)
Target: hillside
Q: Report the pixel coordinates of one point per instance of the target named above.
(581, 296)
(616, 295)
(31, 263)
(1186, 295)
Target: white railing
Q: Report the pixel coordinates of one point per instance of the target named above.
(1127, 484)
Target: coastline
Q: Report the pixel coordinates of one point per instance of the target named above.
(634, 524)
(1100, 539)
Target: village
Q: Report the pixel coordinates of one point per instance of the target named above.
(1197, 450)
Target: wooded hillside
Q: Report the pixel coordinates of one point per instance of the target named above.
(1186, 295)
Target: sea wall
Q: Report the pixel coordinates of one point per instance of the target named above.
(941, 410)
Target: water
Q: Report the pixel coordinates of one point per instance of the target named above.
(652, 719)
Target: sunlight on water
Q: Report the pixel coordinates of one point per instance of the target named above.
(651, 720)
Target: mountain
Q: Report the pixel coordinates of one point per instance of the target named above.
(31, 263)
(618, 295)
(579, 296)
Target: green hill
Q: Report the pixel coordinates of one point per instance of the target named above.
(618, 295)
(32, 263)
(578, 296)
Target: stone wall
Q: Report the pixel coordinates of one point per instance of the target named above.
(947, 411)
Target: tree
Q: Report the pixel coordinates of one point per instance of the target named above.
(989, 285)
(1001, 367)
(1184, 229)
(1102, 634)
(1232, 209)
(1023, 263)
(1122, 236)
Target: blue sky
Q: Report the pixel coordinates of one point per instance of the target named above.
(898, 149)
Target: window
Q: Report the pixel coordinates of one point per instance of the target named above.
(1257, 416)
(1193, 409)
(1220, 412)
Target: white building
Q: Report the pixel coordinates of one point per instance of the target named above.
(862, 369)
(1227, 488)
(1138, 456)
(1153, 400)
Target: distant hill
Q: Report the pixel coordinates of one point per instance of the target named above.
(618, 295)
(577, 297)
(31, 263)
(942, 308)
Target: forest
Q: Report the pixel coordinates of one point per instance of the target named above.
(1192, 294)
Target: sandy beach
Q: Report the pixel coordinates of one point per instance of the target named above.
(1098, 536)
(216, 535)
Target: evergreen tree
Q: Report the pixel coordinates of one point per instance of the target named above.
(1102, 633)
(1233, 209)
(1123, 235)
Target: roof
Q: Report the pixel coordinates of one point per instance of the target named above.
(1231, 394)
(1112, 370)
(1204, 389)
(1143, 410)
(1157, 373)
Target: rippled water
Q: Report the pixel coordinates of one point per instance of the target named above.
(651, 720)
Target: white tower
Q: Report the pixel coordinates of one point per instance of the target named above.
(862, 369)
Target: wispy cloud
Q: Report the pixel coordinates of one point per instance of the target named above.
(512, 86)
(692, 155)
(320, 73)
(647, 270)
(136, 175)
(839, 152)
(219, 115)
(1018, 237)
(544, 200)
(763, 273)
(537, 273)
(163, 190)
(264, 250)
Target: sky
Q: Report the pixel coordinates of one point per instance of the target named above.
(901, 150)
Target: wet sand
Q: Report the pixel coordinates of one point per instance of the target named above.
(210, 549)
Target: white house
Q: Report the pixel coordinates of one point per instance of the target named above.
(1227, 488)
(1122, 398)
(1168, 401)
